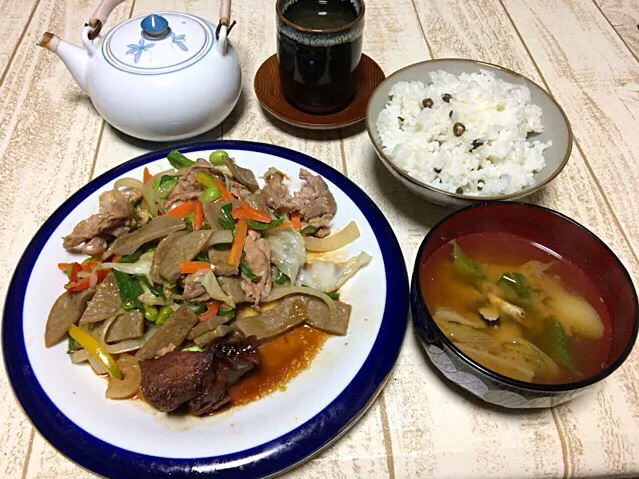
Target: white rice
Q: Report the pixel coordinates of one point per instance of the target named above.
(495, 113)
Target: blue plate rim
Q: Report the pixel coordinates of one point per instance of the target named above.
(271, 458)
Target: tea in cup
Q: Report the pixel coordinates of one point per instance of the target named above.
(319, 46)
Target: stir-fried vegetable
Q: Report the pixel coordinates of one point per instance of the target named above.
(141, 267)
(165, 185)
(287, 248)
(95, 349)
(127, 386)
(150, 313)
(334, 241)
(217, 157)
(465, 266)
(296, 221)
(198, 215)
(244, 268)
(129, 288)
(178, 160)
(146, 176)
(204, 179)
(189, 267)
(279, 277)
(257, 226)
(223, 191)
(197, 308)
(226, 220)
(212, 193)
(213, 288)
(163, 315)
(277, 293)
(238, 243)
(181, 211)
(212, 308)
(244, 211)
(329, 276)
(131, 258)
(309, 230)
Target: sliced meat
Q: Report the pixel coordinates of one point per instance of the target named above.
(158, 227)
(234, 357)
(314, 199)
(237, 189)
(175, 249)
(128, 325)
(114, 211)
(193, 289)
(256, 201)
(208, 326)
(187, 187)
(258, 259)
(319, 317)
(233, 287)
(242, 175)
(286, 315)
(321, 225)
(66, 310)
(220, 259)
(174, 331)
(105, 303)
(174, 378)
(95, 246)
(275, 193)
(213, 215)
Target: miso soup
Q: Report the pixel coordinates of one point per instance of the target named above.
(517, 308)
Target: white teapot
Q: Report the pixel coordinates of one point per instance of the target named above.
(160, 77)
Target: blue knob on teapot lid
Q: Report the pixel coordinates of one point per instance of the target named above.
(155, 27)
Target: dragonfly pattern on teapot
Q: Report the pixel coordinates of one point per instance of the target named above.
(138, 49)
(179, 41)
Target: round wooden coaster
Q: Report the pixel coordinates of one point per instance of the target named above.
(269, 93)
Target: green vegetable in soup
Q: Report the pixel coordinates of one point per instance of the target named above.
(515, 282)
(178, 160)
(554, 341)
(465, 266)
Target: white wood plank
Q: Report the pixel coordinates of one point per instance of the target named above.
(15, 17)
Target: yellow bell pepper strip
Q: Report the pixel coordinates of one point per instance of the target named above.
(95, 349)
(238, 243)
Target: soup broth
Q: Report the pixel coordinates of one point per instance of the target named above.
(517, 308)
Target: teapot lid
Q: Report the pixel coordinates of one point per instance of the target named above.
(159, 43)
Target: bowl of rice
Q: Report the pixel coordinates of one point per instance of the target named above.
(457, 132)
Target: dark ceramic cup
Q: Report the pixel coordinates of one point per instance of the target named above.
(566, 238)
(318, 62)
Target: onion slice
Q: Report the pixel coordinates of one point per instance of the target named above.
(334, 241)
(129, 183)
(129, 385)
(152, 196)
(277, 293)
(131, 344)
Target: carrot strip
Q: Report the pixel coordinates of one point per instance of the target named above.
(295, 219)
(147, 175)
(238, 243)
(212, 308)
(254, 214)
(63, 266)
(239, 213)
(181, 210)
(198, 215)
(188, 267)
(223, 191)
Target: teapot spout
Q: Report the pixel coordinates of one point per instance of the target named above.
(75, 58)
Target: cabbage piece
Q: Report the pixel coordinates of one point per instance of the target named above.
(328, 276)
(287, 250)
(209, 281)
(141, 267)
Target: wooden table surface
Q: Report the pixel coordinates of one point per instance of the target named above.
(584, 52)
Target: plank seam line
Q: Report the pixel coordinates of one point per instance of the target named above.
(388, 443)
(616, 31)
(99, 143)
(342, 151)
(591, 171)
(18, 43)
(27, 456)
(563, 441)
(421, 29)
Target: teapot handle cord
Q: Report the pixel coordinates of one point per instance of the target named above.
(100, 15)
(228, 28)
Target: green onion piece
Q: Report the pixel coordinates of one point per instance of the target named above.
(227, 221)
(308, 230)
(256, 225)
(516, 282)
(202, 257)
(189, 219)
(195, 348)
(279, 277)
(210, 194)
(131, 258)
(333, 296)
(228, 312)
(247, 271)
(217, 157)
(465, 266)
(204, 179)
(197, 308)
(178, 160)
(156, 290)
(554, 342)
(163, 315)
(73, 346)
(150, 313)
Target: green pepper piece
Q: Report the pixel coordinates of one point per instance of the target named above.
(227, 221)
(195, 348)
(131, 258)
(72, 346)
(189, 219)
(217, 157)
(256, 225)
(309, 230)
(244, 268)
(228, 312)
(333, 296)
(178, 160)
(197, 308)
(279, 277)
(204, 179)
(210, 194)
(516, 282)
(465, 266)
(554, 342)
(163, 315)
(150, 313)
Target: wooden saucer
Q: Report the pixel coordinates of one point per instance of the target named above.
(269, 93)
